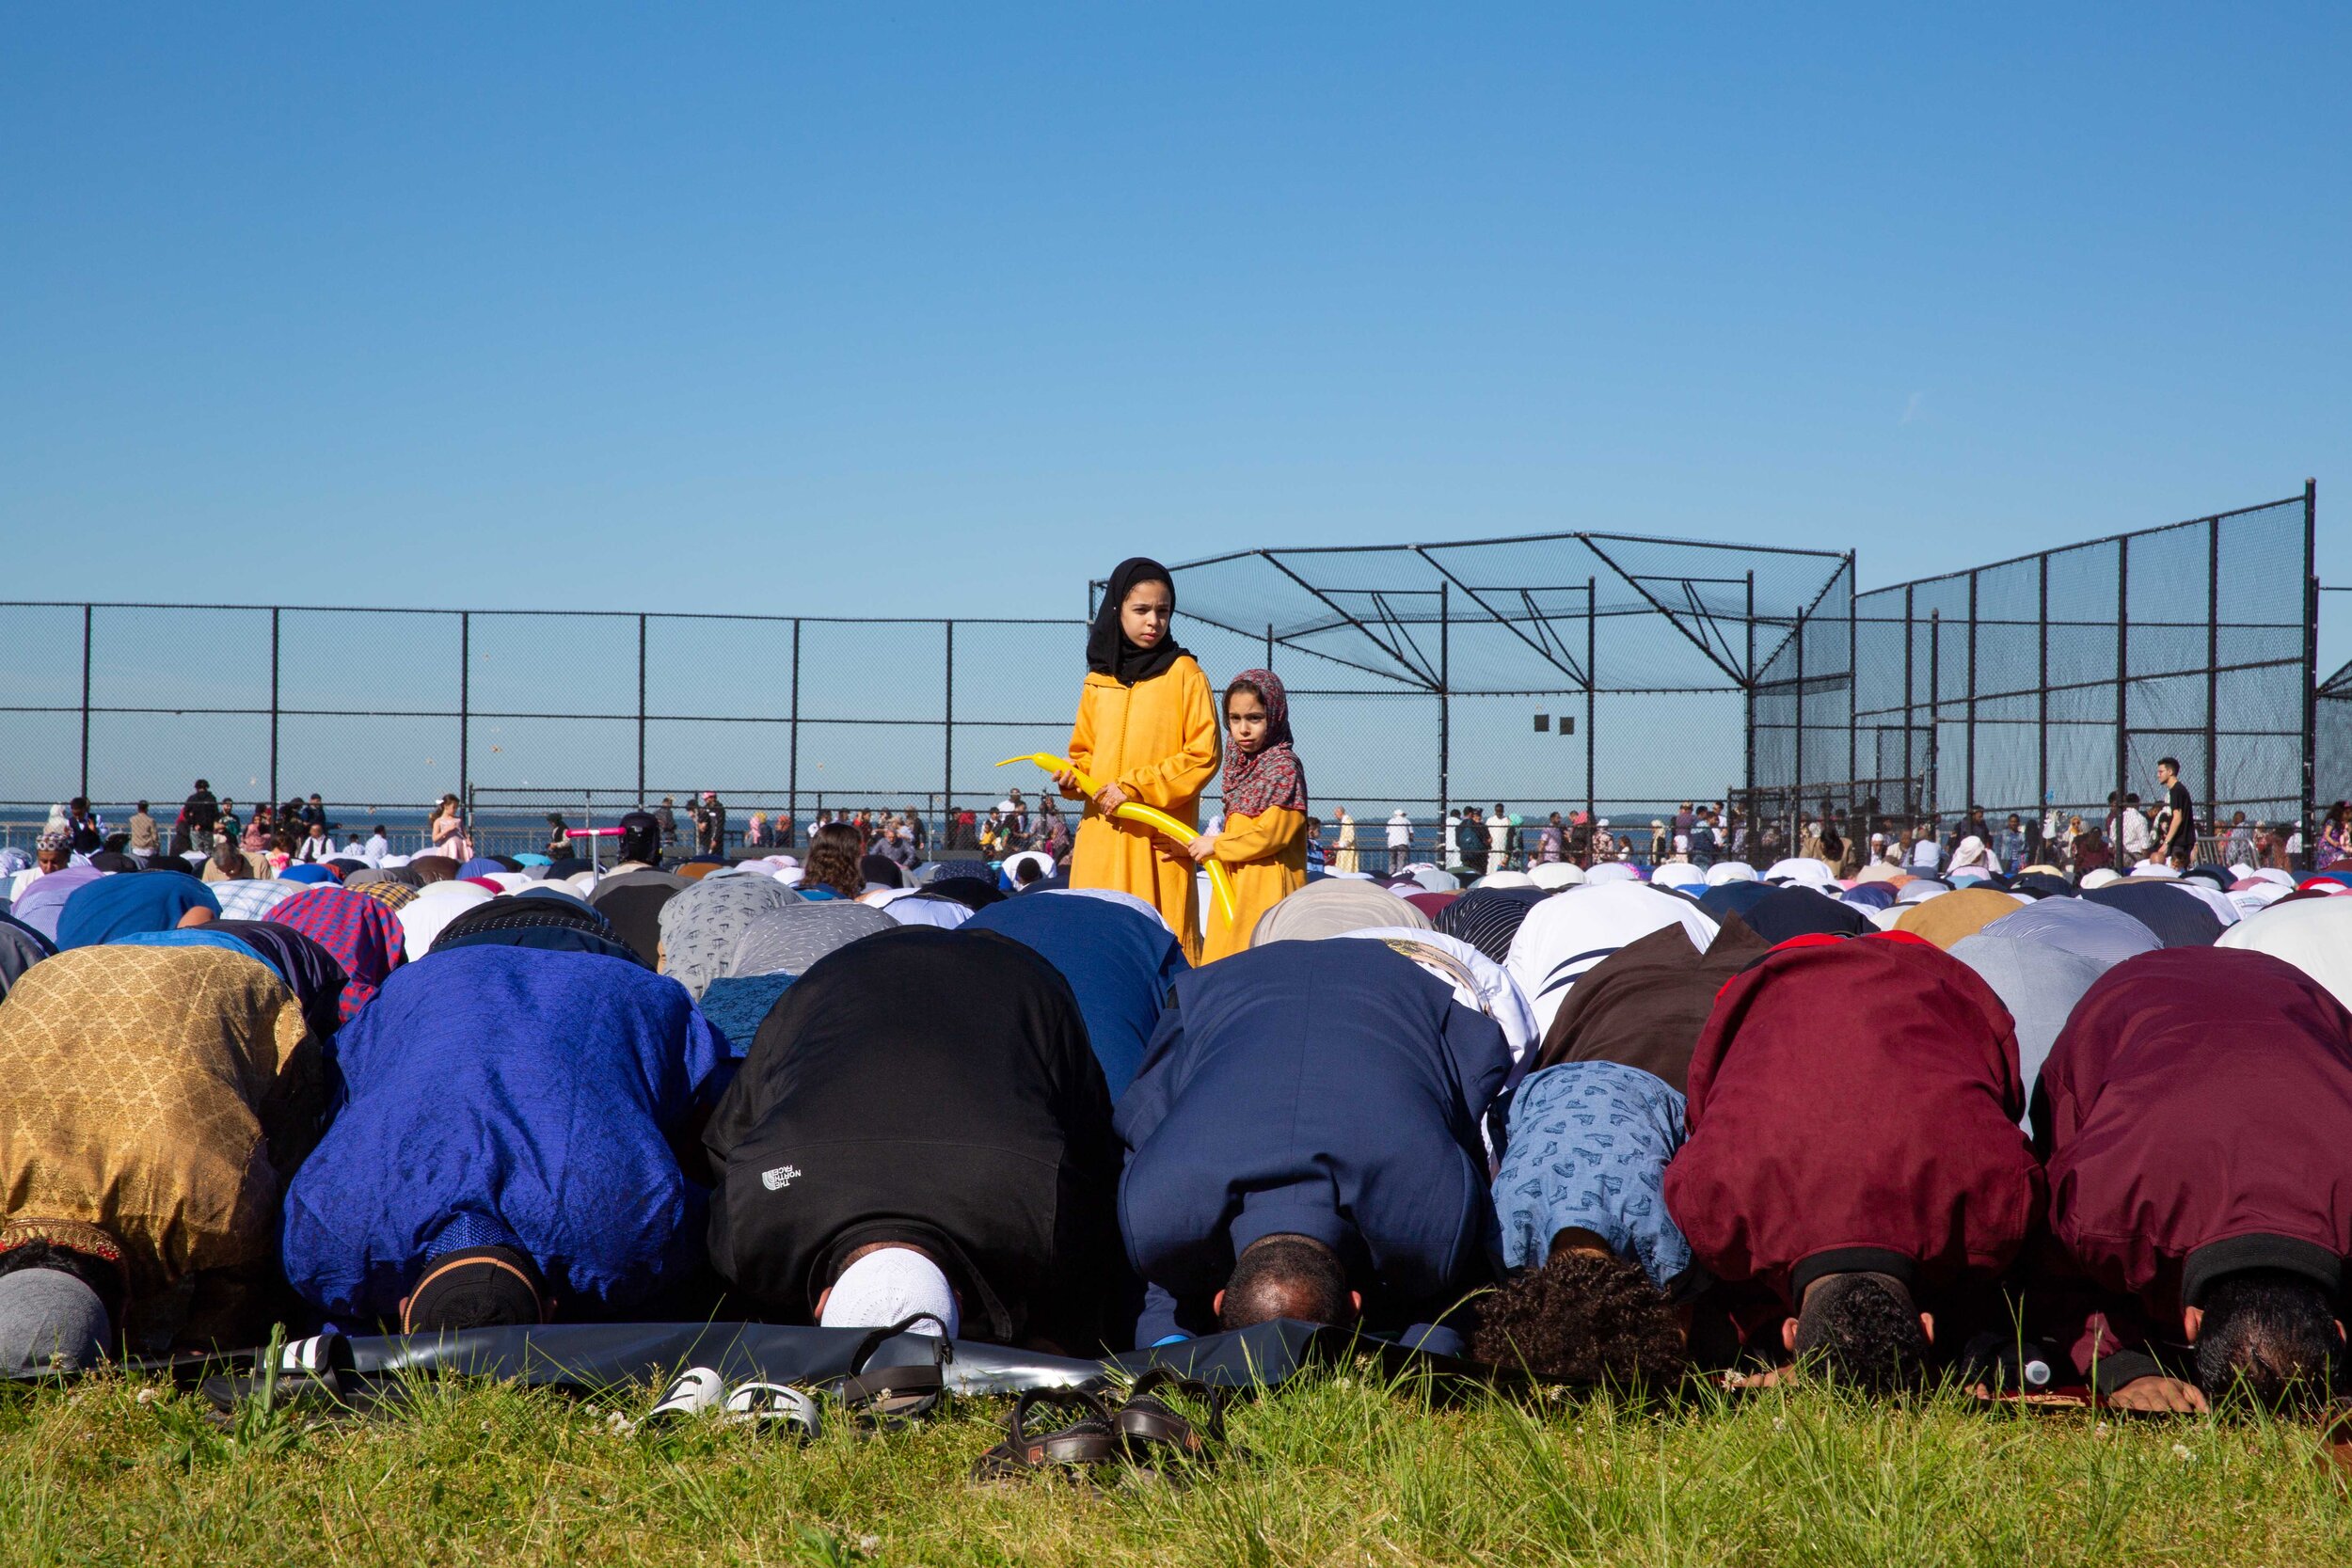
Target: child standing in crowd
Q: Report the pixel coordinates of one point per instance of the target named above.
(1264, 843)
(1146, 732)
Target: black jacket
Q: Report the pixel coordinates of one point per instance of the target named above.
(934, 1087)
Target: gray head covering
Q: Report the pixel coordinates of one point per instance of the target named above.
(701, 926)
(21, 948)
(49, 1318)
(2080, 926)
(2039, 983)
(788, 941)
(1332, 907)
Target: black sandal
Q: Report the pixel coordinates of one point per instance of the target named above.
(1087, 1444)
(892, 1398)
(1153, 1431)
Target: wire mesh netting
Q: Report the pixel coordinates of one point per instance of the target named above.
(1610, 672)
(2055, 682)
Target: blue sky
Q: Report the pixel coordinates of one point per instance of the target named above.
(921, 311)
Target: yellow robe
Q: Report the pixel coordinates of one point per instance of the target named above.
(1266, 855)
(1157, 741)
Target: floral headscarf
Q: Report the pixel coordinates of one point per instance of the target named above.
(1273, 777)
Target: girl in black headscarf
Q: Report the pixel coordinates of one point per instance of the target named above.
(1147, 730)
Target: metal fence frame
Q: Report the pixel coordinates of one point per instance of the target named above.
(1923, 783)
(1793, 671)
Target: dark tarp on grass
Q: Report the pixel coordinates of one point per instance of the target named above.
(588, 1358)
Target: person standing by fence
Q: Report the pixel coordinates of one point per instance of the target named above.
(2176, 842)
(1146, 731)
(1265, 838)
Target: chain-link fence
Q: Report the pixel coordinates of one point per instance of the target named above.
(1619, 675)
(2332, 722)
(2055, 682)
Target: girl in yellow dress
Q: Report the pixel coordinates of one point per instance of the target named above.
(1263, 844)
(1146, 732)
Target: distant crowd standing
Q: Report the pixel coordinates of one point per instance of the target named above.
(1598, 1110)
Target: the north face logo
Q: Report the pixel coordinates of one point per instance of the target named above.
(777, 1180)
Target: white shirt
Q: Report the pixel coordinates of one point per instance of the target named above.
(2139, 838)
(379, 846)
(1400, 833)
(1927, 852)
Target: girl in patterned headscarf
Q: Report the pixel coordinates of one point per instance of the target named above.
(1263, 842)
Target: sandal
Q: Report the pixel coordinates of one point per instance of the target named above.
(772, 1404)
(691, 1393)
(890, 1397)
(1086, 1444)
(1152, 1429)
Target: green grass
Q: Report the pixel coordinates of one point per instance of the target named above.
(1338, 1470)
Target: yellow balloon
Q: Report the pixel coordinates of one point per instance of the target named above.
(1220, 879)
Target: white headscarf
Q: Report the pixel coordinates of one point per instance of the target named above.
(2313, 934)
(1491, 992)
(1569, 932)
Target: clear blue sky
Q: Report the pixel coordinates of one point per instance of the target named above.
(917, 310)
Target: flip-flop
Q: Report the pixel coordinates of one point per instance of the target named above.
(1085, 1445)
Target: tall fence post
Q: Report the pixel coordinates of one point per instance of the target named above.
(465, 709)
(1911, 710)
(1971, 791)
(1796, 769)
(2042, 715)
(2123, 687)
(1269, 646)
(1445, 717)
(1592, 676)
(88, 613)
(1933, 805)
(2213, 681)
(792, 765)
(948, 792)
(274, 667)
(1854, 701)
(641, 710)
(1747, 687)
(2311, 666)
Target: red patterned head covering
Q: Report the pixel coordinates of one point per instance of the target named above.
(1273, 777)
(362, 935)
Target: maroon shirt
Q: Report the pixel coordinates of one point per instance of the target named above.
(2197, 1110)
(1854, 1104)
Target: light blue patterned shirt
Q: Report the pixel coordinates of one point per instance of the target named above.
(1589, 1143)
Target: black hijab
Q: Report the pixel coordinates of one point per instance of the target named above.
(1109, 652)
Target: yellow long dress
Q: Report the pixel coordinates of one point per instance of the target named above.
(1266, 855)
(1157, 740)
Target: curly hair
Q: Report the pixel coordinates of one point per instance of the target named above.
(835, 853)
(1581, 1318)
(1863, 1329)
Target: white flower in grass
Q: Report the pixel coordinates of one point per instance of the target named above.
(2180, 1451)
(619, 1424)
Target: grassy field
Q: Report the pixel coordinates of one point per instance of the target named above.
(1337, 1470)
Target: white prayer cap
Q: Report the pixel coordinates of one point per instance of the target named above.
(888, 1286)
